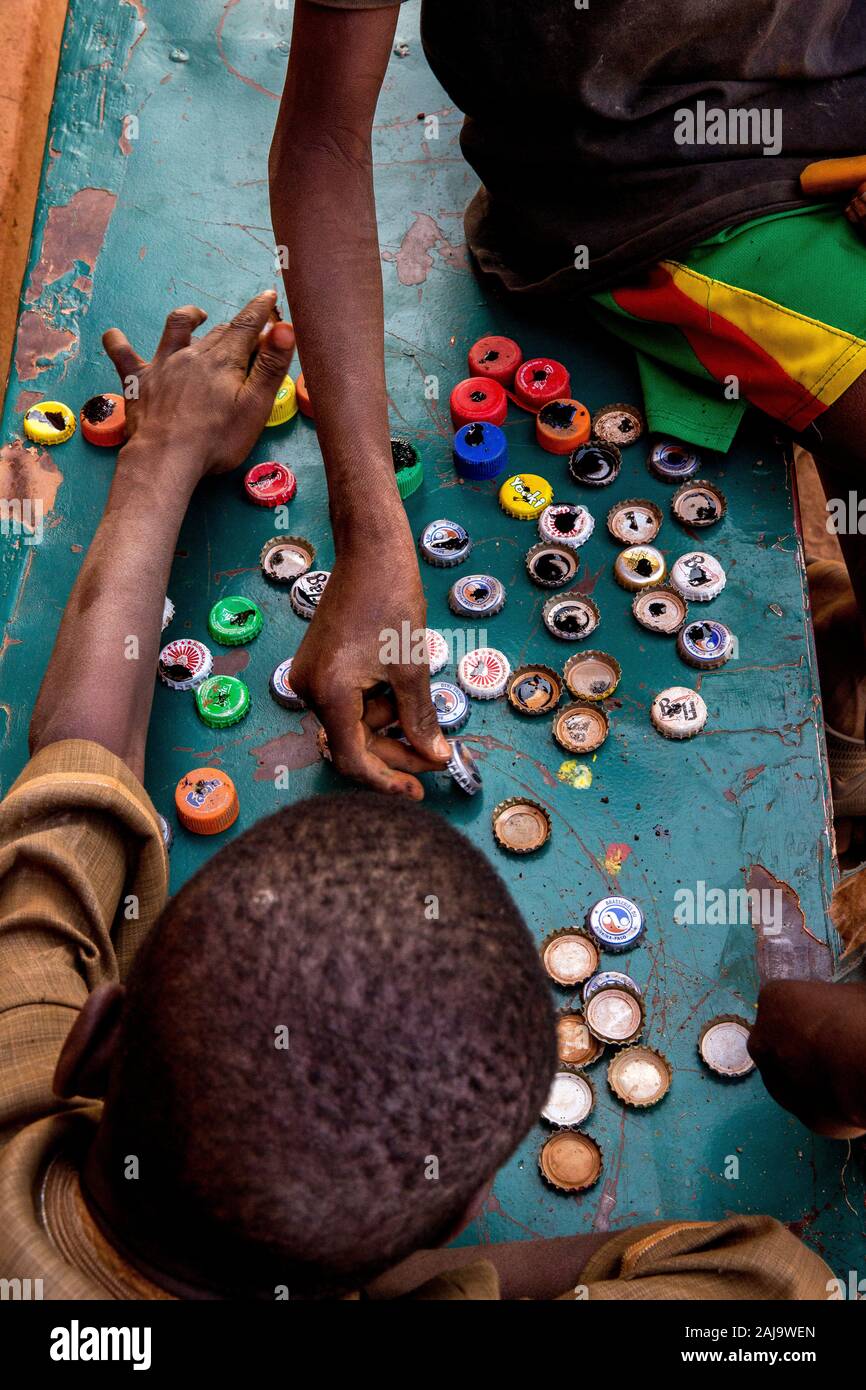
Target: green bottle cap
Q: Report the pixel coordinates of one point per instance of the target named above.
(235, 620)
(222, 700)
(408, 467)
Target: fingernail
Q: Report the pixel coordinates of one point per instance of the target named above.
(442, 746)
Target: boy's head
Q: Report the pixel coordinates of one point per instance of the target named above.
(336, 1033)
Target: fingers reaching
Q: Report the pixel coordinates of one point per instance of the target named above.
(179, 327)
(271, 363)
(418, 715)
(240, 337)
(357, 754)
(124, 356)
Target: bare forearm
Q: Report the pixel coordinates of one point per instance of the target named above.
(100, 678)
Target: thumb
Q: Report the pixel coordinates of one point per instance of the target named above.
(417, 714)
(272, 360)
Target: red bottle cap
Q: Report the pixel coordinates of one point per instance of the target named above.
(103, 420)
(478, 398)
(270, 484)
(541, 380)
(495, 357)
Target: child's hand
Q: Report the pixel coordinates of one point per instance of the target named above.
(196, 401)
(809, 1043)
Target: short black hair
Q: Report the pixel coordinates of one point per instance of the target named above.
(384, 951)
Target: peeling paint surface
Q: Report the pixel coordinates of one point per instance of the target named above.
(127, 228)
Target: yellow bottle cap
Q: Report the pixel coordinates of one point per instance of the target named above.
(286, 404)
(49, 422)
(525, 495)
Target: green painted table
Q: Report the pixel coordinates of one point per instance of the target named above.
(154, 193)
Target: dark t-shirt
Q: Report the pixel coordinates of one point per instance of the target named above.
(572, 121)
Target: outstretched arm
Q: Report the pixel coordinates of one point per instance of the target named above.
(324, 214)
(198, 411)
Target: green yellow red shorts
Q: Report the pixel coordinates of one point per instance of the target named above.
(771, 313)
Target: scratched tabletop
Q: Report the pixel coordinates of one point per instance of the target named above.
(154, 193)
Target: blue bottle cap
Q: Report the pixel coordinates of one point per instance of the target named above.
(444, 543)
(480, 451)
(451, 705)
(705, 643)
(673, 462)
(617, 924)
(476, 595)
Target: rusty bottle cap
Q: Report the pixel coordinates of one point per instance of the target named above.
(660, 610)
(534, 690)
(698, 503)
(575, 1044)
(570, 1161)
(581, 728)
(639, 1076)
(571, 617)
(592, 675)
(634, 521)
(618, 424)
(614, 1014)
(520, 825)
(569, 956)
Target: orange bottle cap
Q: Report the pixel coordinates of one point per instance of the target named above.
(562, 425)
(103, 420)
(206, 801)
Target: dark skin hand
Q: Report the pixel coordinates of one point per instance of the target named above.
(324, 213)
(809, 1043)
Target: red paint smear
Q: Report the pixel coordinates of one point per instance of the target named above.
(290, 750)
(38, 338)
(26, 474)
(74, 231)
(230, 663)
(224, 60)
(620, 852)
(26, 399)
(721, 347)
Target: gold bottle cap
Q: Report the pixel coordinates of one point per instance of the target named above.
(581, 728)
(592, 675)
(520, 825)
(570, 1161)
(639, 567)
(569, 957)
(575, 1044)
(639, 1076)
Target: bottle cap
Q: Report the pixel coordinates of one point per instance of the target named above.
(478, 398)
(569, 956)
(103, 420)
(270, 484)
(595, 464)
(572, 617)
(480, 451)
(235, 620)
(525, 495)
(618, 424)
(673, 463)
(495, 357)
(206, 801)
(639, 1076)
(166, 832)
(49, 422)
(722, 1046)
(567, 523)
(617, 924)
(520, 825)
(445, 543)
(569, 1101)
(221, 701)
(438, 653)
(303, 397)
(634, 521)
(581, 728)
(463, 768)
(678, 712)
(698, 576)
(575, 1045)
(550, 564)
(639, 567)
(606, 978)
(483, 673)
(534, 690)
(306, 592)
(451, 705)
(285, 406)
(280, 686)
(570, 1161)
(660, 610)
(592, 675)
(561, 425)
(614, 1014)
(184, 663)
(167, 613)
(285, 558)
(705, 644)
(476, 595)
(540, 380)
(698, 504)
(408, 466)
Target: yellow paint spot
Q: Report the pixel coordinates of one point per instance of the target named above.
(575, 775)
(613, 861)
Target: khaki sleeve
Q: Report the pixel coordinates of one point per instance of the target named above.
(83, 877)
(743, 1257)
